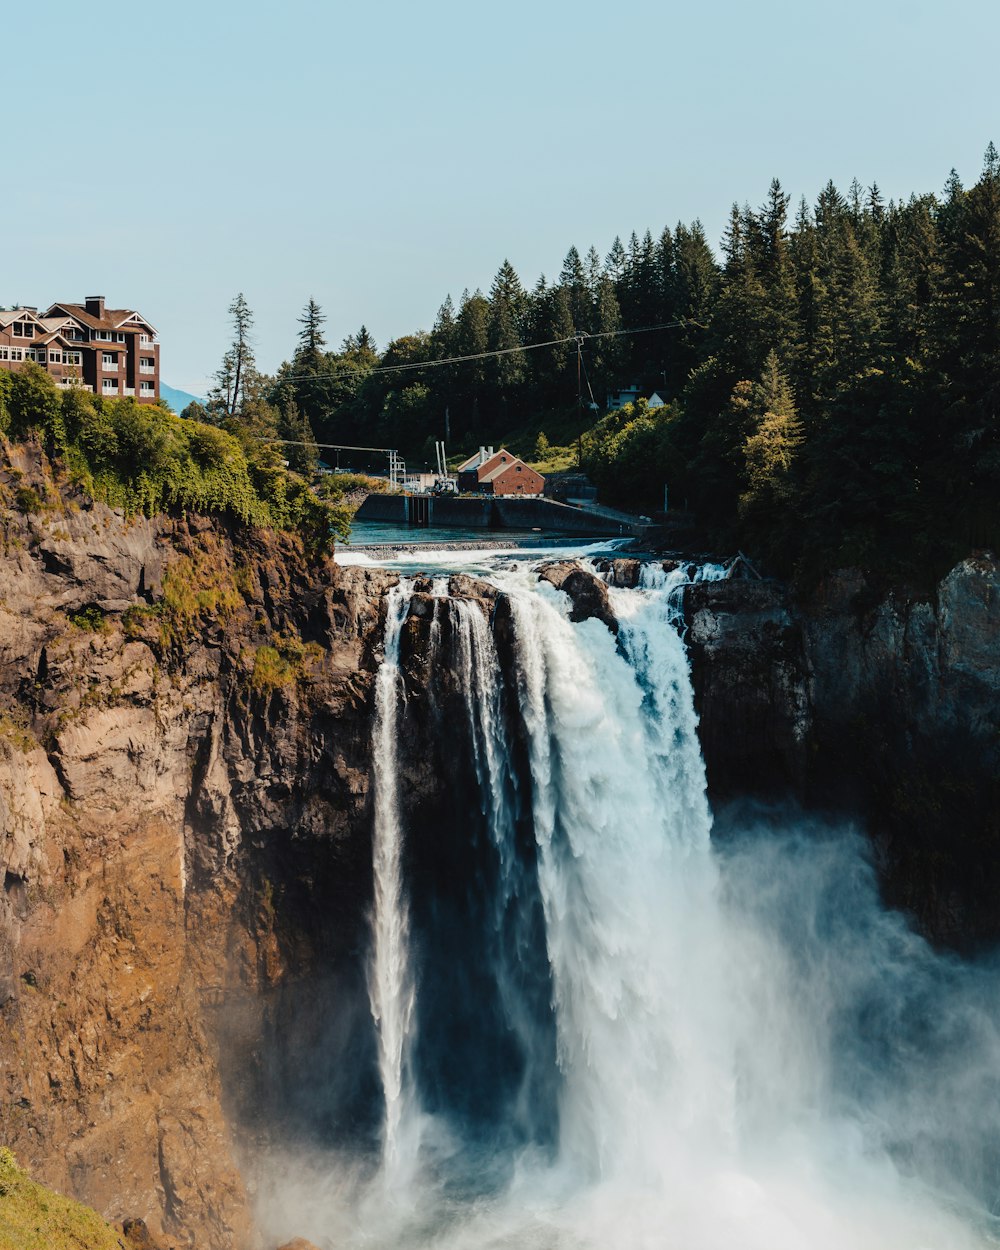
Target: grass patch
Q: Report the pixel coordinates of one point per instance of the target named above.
(14, 729)
(28, 500)
(197, 589)
(282, 663)
(35, 1218)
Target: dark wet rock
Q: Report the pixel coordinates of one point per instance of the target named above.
(588, 593)
(462, 586)
(884, 706)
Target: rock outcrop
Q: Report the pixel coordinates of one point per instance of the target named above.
(587, 592)
(184, 729)
(887, 706)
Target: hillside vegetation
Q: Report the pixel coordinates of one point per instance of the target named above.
(142, 458)
(34, 1218)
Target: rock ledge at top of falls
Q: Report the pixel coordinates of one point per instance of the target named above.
(588, 593)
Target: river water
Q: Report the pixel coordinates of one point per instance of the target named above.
(601, 1029)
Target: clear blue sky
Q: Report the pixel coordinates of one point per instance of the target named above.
(378, 157)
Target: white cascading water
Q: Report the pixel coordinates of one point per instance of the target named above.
(391, 989)
(721, 1084)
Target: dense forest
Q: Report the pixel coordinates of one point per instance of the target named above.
(832, 381)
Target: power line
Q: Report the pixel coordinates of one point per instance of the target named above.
(499, 351)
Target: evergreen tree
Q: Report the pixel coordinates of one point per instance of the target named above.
(299, 448)
(573, 279)
(551, 322)
(692, 298)
(311, 340)
(507, 310)
(472, 339)
(243, 363)
(616, 263)
(610, 348)
(770, 449)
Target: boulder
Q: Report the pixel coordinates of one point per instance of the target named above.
(588, 593)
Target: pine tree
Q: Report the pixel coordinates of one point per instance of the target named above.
(472, 340)
(300, 448)
(551, 322)
(692, 298)
(507, 310)
(311, 340)
(593, 271)
(615, 264)
(609, 350)
(769, 451)
(573, 279)
(238, 368)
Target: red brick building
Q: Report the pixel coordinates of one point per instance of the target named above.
(109, 352)
(491, 472)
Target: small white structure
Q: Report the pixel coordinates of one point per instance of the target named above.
(618, 399)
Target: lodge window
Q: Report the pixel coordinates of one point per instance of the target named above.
(23, 330)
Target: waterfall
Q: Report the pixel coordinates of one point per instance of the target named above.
(628, 882)
(391, 989)
(600, 1030)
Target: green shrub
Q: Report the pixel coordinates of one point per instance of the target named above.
(28, 500)
(91, 619)
(144, 459)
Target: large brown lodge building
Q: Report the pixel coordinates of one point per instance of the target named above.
(108, 351)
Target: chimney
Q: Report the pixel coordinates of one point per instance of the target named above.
(94, 304)
(482, 454)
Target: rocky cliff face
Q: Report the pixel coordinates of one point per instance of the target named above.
(885, 706)
(184, 728)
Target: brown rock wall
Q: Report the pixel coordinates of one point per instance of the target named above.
(162, 794)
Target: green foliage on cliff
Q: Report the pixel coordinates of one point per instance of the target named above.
(282, 662)
(199, 589)
(142, 458)
(34, 1218)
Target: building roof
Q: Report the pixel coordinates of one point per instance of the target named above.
(513, 463)
(18, 314)
(481, 457)
(113, 319)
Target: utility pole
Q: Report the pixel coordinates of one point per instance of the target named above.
(579, 399)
